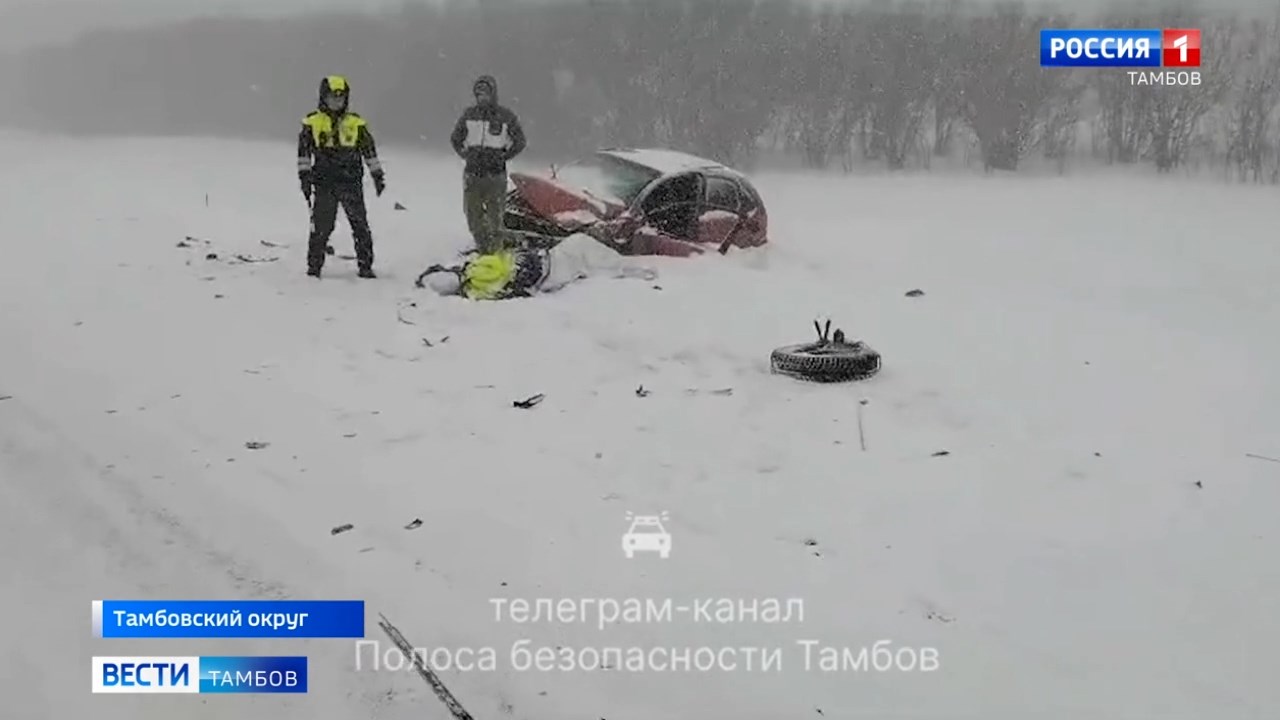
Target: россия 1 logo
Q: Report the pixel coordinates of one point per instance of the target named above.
(1170, 48)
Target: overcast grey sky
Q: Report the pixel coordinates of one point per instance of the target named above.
(29, 22)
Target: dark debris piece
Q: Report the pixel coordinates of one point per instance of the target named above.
(342, 528)
(529, 402)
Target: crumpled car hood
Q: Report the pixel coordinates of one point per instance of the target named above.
(562, 204)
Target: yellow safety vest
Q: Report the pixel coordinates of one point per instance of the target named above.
(487, 276)
(321, 124)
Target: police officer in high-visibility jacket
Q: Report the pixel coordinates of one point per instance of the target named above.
(334, 145)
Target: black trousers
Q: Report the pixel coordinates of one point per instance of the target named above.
(324, 213)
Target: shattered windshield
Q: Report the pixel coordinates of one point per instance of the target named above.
(607, 178)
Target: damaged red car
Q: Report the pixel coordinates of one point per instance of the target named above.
(641, 202)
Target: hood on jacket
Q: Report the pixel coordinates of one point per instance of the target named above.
(337, 86)
(490, 82)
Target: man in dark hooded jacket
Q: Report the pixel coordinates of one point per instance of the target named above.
(334, 146)
(487, 135)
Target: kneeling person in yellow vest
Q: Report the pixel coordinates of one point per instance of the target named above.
(334, 146)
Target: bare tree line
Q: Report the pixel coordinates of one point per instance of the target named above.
(890, 84)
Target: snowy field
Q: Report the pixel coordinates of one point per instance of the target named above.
(1096, 356)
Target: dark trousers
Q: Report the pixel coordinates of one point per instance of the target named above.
(484, 201)
(324, 213)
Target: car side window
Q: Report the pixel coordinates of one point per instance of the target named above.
(722, 194)
(682, 188)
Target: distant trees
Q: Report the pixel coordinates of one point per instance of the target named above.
(1249, 110)
(891, 83)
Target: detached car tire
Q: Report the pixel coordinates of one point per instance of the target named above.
(826, 361)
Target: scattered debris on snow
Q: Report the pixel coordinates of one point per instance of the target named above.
(255, 445)
(417, 523)
(723, 392)
(915, 293)
(862, 437)
(529, 402)
(942, 453)
(641, 392)
(342, 528)
(400, 313)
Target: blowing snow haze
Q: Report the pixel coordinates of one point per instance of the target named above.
(24, 23)
(1060, 489)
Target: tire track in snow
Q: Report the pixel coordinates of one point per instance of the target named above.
(87, 531)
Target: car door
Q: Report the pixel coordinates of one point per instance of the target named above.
(671, 206)
(720, 211)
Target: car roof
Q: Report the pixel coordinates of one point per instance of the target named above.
(667, 162)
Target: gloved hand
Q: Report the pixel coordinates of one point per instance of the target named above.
(379, 183)
(304, 180)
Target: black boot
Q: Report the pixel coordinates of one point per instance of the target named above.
(366, 272)
(313, 271)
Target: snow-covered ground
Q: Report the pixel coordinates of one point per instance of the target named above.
(1097, 356)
